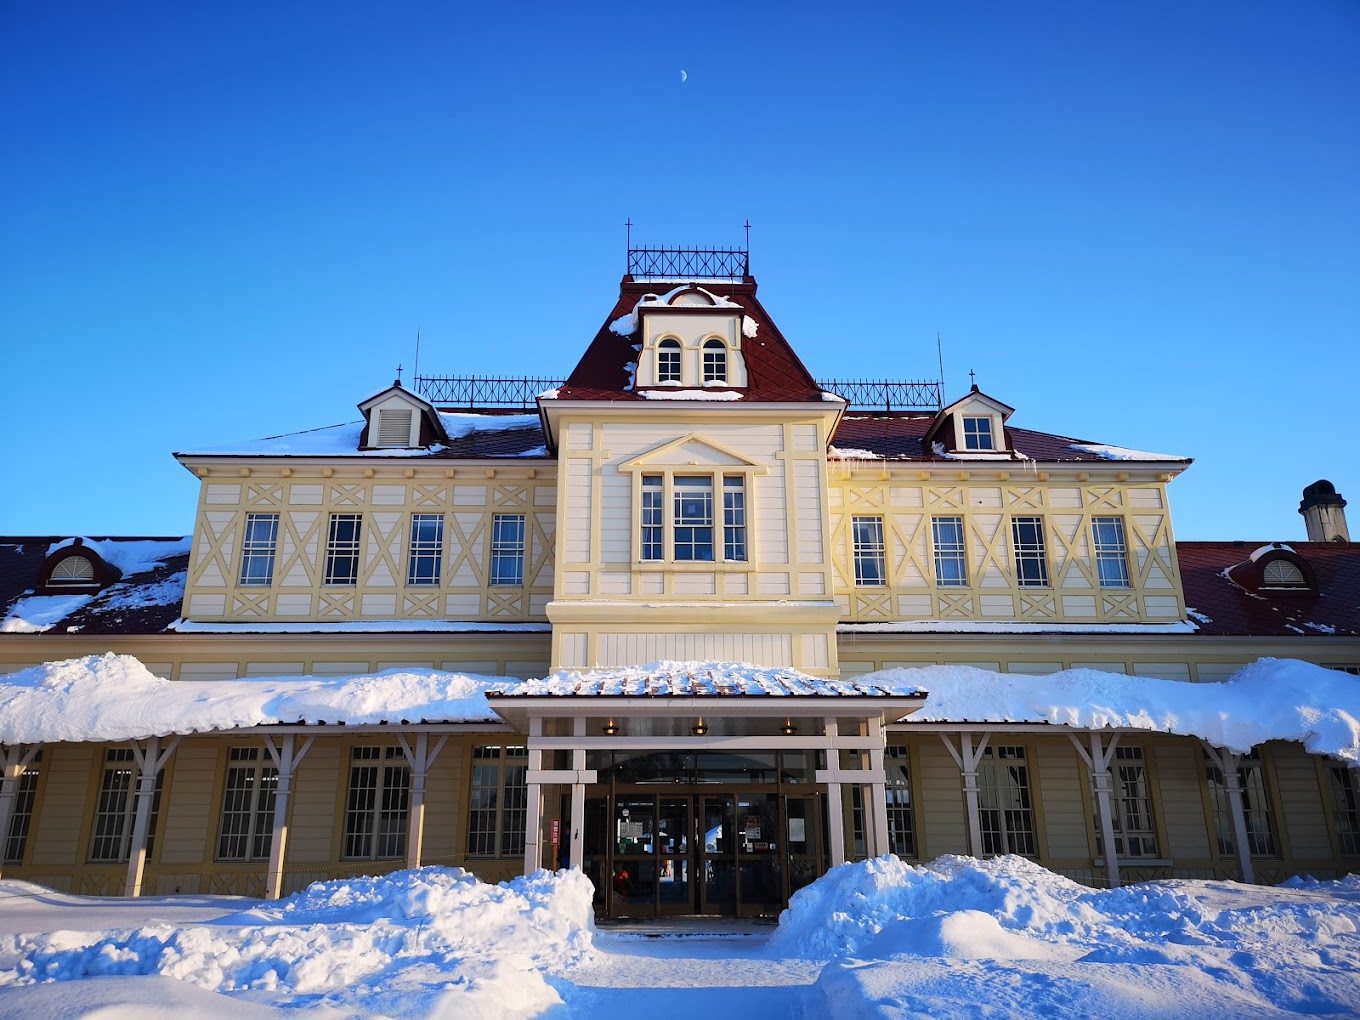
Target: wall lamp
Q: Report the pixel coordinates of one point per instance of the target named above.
(611, 729)
(699, 728)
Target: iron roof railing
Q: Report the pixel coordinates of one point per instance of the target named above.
(732, 265)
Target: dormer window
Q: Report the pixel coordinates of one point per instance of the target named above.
(394, 426)
(1282, 574)
(668, 361)
(977, 434)
(715, 361)
(73, 572)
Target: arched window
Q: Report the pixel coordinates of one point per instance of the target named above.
(668, 361)
(1282, 574)
(72, 571)
(715, 361)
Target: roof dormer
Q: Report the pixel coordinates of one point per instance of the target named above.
(73, 568)
(397, 419)
(974, 425)
(1274, 569)
(690, 338)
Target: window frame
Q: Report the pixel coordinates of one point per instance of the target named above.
(387, 761)
(25, 810)
(1344, 806)
(1115, 554)
(655, 521)
(426, 551)
(714, 361)
(1221, 830)
(79, 580)
(257, 810)
(983, 428)
(900, 795)
(254, 549)
(1123, 790)
(508, 814)
(944, 553)
(339, 550)
(512, 551)
(666, 374)
(1030, 552)
(1002, 837)
(877, 550)
(126, 815)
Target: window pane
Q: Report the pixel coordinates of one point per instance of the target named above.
(257, 548)
(668, 361)
(693, 511)
(651, 547)
(951, 567)
(977, 434)
(870, 565)
(507, 549)
(16, 840)
(1031, 561)
(734, 518)
(901, 821)
(426, 550)
(715, 361)
(1005, 808)
(342, 549)
(1107, 535)
(1346, 799)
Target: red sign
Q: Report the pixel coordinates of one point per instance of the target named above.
(556, 831)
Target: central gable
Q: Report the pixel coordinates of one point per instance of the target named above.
(689, 451)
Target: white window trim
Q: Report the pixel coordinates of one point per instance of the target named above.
(717, 473)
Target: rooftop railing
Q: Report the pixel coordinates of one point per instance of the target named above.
(731, 265)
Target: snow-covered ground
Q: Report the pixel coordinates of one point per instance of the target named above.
(956, 937)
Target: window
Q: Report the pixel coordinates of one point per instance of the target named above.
(1282, 574)
(427, 549)
(75, 571)
(870, 566)
(901, 823)
(734, 518)
(977, 434)
(257, 548)
(342, 549)
(247, 825)
(499, 807)
(668, 361)
(1005, 809)
(377, 805)
(116, 809)
(1112, 562)
(507, 549)
(951, 568)
(1255, 807)
(693, 509)
(653, 524)
(1131, 799)
(1031, 562)
(1346, 804)
(715, 361)
(16, 840)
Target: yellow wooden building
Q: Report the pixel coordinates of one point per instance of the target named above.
(690, 494)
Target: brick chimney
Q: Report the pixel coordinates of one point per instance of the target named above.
(1324, 511)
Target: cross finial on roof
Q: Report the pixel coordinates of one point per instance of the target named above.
(747, 225)
(628, 225)
(398, 380)
(972, 378)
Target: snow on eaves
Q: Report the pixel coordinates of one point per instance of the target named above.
(1270, 699)
(114, 697)
(1105, 452)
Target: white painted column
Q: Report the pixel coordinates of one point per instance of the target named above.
(1098, 768)
(13, 759)
(533, 822)
(286, 757)
(420, 759)
(150, 760)
(1232, 784)
(835, 808)
(878, 791)
(966, 757)
(577, 847)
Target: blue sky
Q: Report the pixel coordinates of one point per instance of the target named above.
(1139, 223)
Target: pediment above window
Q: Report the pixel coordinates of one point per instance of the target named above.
(689, 451)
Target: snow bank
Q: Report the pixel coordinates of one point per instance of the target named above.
(429, 941)
(1270, 699)
(115, 697)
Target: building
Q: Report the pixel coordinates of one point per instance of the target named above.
(689, 494)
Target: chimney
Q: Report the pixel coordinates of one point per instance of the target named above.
(1324, 511)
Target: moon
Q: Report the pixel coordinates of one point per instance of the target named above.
(683, 75)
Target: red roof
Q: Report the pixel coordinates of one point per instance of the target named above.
(900, 435)
(1224, 607)
(774, 372)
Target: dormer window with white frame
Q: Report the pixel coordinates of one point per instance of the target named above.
(397, 419)
(668, 361)
(715, 361)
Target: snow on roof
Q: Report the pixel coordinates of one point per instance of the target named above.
(38, 614)
(1270, 699)
(114, 697)
(651, 394)
(358, 627)
(131, 557)
(850, 453)
(1270, 547)
(697, 679)
(1121, 453)
(1011, 627)
(626, 325)
(343, 440)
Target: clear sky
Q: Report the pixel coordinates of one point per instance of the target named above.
(1138, 222)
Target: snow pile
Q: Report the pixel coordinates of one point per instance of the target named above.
(115, 697)
(429, 941)
(1270, 699)
(38, 613)
(852, 453)
(131, 557)
(1105, 452)
(943, 938)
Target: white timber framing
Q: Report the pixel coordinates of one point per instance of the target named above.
(150, 758)
(1227, 762)
(420, 757)
(967, 756)
(287, 757)
(14, 759)
(1097, 761)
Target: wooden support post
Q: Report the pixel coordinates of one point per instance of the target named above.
(420, 759)
(13, 759)
(966, 756)
(287, 756)
(835, 807)
(1098, 768)
(878, 791)
(577, 848)
(150, 760)
(533, 822)
(1232, 784)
